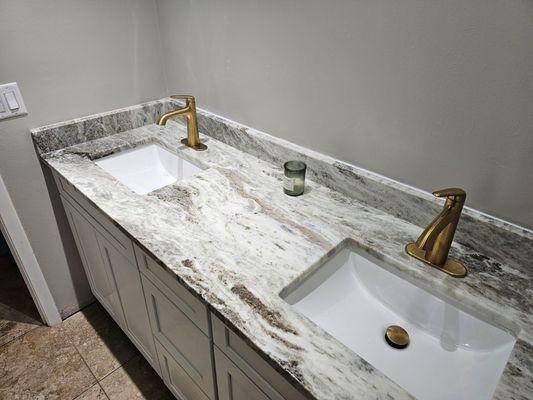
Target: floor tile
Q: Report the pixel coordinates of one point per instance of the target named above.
(135, 380)
(42, 364)
(14, 324)
(18, 313)
(13, 290)
(99, 340)
(94, 393)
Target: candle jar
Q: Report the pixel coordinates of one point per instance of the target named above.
(294, 179)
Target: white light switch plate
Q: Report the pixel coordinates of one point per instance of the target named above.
(11, 102)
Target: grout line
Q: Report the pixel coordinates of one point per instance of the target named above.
(103, 390)
(132, 357)
(117, 368)
(85, 307)
(97, 382)
(81, 357)
(110, 372)
(70, 343)
(87, 365)
(85, 362)
(89, 388)
(121, 365)
(19, 336)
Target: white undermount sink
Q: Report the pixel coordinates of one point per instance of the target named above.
(451, 354)
(147, 168)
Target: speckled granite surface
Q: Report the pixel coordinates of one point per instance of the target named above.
(58, 136)
(246, 241)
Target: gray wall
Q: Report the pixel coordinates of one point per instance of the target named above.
(431, 93)
(71, 58)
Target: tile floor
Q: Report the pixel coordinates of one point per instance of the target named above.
(87, 357)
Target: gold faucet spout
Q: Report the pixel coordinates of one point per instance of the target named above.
(189, 111)
(162, 121)
(433, 245)
(427, 239)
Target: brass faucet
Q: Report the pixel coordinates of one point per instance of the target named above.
(434, 243)
(189, 111)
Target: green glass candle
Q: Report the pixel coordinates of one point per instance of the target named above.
(294, 180)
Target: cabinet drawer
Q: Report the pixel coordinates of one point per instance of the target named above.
(252, 364)
(188, 345)
(122, 242)
(193, 308)
(176, 378)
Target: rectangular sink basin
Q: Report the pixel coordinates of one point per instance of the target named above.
(147, 168)
(451, 355)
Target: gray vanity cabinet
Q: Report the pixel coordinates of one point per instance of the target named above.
(196, 354)
(176, 378)
(127, 280)
(180, 326)
(244, 374)
(233, 384)
(113, 276)
(98, 274)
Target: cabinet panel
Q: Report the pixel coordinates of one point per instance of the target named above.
(127, 279)
(233, 384)
(252, 364)
(187, 344)
(104, 224)
(176, 378)
(85, 236)
(195, 310)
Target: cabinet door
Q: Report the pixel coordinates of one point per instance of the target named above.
(176, 378)
(193, 308)
(233, 384)
(182, 339)
(99, 277)
(127, 280)
(266, 378)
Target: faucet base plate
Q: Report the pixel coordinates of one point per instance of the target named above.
(451, 267)
(198, 147)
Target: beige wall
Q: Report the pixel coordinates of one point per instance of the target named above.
(431, 93)
(71, 58)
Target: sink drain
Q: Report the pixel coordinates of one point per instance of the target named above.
(397, 337)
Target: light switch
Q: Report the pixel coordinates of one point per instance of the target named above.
(11, 99)
(11, 103)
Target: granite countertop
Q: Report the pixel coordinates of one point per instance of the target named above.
(233, 238)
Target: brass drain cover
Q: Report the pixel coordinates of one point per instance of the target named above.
(397, 337)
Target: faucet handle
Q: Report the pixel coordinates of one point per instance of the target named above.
(456, 195)
(187, 97)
